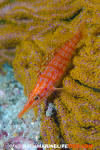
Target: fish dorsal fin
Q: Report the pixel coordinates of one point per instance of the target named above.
(47, 58)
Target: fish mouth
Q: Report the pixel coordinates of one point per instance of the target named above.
(29, 105)
(26, 108)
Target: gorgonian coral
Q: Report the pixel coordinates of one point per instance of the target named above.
(11, 33)
(49, 131)
(40, 28)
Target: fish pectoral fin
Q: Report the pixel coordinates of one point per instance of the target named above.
(58, 89)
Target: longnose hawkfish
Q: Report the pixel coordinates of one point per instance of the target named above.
(49, 79)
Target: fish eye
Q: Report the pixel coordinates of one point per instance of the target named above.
(37, 97)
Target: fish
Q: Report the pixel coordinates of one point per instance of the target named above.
(49, 80)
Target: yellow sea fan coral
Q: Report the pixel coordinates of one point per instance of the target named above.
(85, 113)
(43, 10)
(6, 56)
(89, 78)
(30, 59)
(3, 2)
(49, 131)
(71, 129)
(18, 12)
(10, 36)
(87, 74)
(53, 23)
(81, 91)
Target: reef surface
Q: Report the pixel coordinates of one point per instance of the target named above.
(15, 133)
